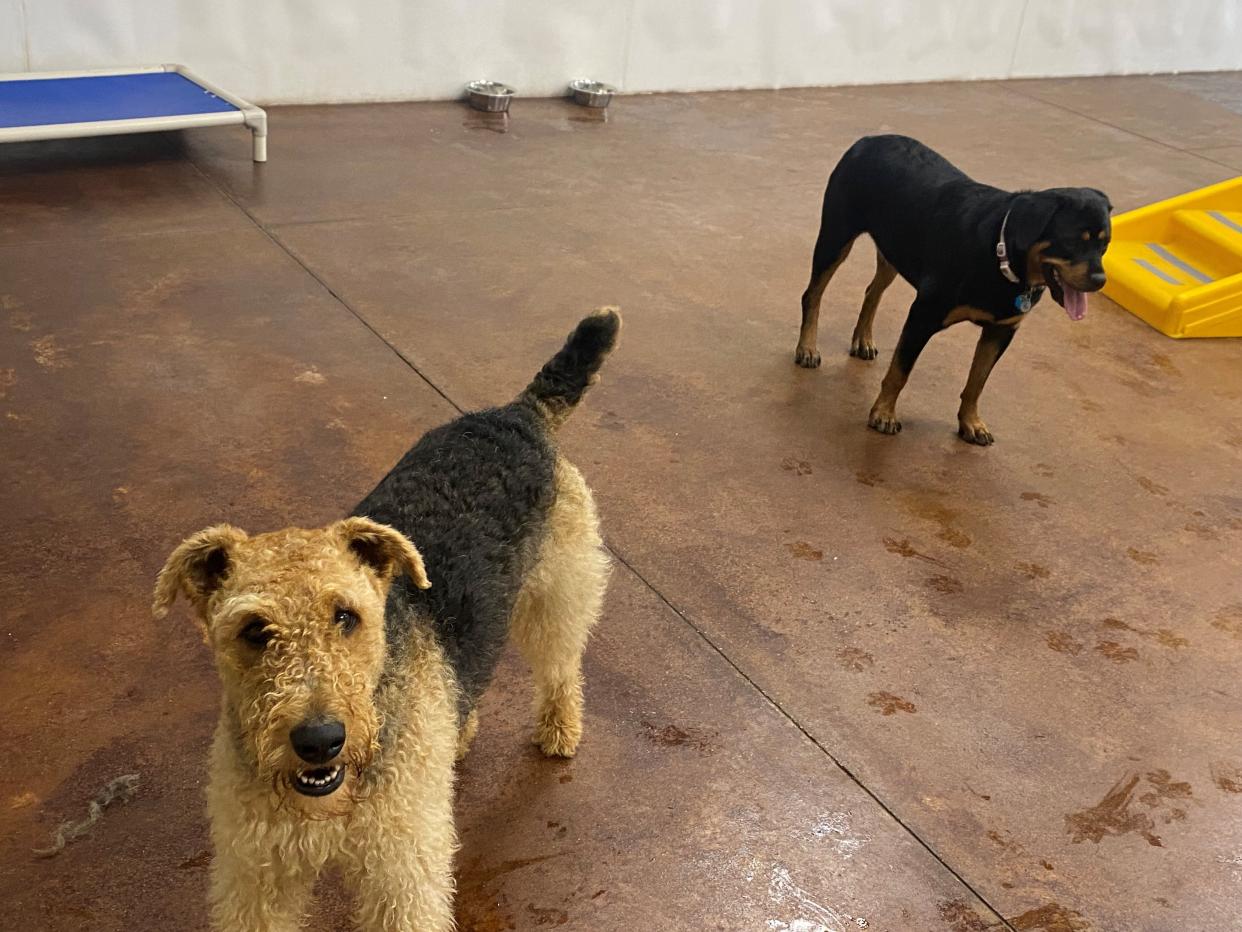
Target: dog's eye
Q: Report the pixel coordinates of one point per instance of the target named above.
(346, 619)
(256, 633)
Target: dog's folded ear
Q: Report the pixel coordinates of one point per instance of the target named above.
(1029, 217)
(196, 568)
(382, 549)
(1107, 203)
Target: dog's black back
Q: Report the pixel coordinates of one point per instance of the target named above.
(473, 496)
(939, 228)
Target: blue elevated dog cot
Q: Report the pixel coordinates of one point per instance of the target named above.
(67, 104)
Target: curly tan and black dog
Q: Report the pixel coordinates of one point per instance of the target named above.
(351, 656)
(971, 251)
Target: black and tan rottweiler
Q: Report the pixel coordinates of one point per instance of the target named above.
(971, 251)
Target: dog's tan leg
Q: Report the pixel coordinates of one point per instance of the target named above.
(806, 355)
(993, 342)
(862, 345)
(923, 321)
(559, 603)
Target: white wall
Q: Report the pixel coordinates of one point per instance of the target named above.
(285, 51)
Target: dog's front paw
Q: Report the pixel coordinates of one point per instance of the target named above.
(976, 432)
(885, 421)
(806, 358)
(863, 349)
(557, 739)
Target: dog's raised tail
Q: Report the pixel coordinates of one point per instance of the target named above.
(562, 382)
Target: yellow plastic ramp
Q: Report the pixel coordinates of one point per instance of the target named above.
(1177, 264)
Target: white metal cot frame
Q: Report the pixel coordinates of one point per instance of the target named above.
(246, 113)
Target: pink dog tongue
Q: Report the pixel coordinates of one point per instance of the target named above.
(1075, 302)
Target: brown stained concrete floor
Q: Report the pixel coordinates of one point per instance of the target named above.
(841, 676)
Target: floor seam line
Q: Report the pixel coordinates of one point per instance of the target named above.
(1121, 129)
(279, 244)
(629, 566)
(806, 734)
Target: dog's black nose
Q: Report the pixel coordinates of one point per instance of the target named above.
(318, 740)
(1097, 280)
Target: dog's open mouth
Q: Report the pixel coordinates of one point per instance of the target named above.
(1065, 294)
(319, 782)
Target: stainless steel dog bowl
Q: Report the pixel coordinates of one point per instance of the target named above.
(591, 93)
(490, 96)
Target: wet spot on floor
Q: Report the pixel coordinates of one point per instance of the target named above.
(610, 420)
(1117, 653)
(1090, 405)
(954, 537)
(549, 916)
(1112, 815)
(158, 291)
(796, 466)
(1229, 620)
(1145, 557)
(903, 548)
(485, 916)
(1164, 364)
(1051, 918)
(22, 800)
(945, 517)
(855, 660)
(867, 478)
(946, 584)
(311, 376)
(1034, 570)
(196, 861)
(8, 378)
(1155, 488)
(1000, 840)
(565, 778)
(1200, 530)
(492, 122)
(48, 353)
(1043, 469)
(1163, 790)
(1165, 637)
(801, 550)
(1046, 865)
(21, 321)
(1064, 643)
(887, 703)
(670, 736)
(1227, 776)
(1039, 498)
(960, 916)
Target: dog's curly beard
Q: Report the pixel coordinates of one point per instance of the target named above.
(268, 721)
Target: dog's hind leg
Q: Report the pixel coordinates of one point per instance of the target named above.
(558, 605)
(831, 248)
(862, 345)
